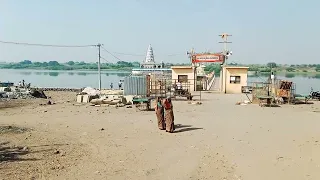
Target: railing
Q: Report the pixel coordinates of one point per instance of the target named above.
(211, 82)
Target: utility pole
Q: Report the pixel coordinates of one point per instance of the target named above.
(190, 54)
(224, 36)
(225, 41)
(99, 65)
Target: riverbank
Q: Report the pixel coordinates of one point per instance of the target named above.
(71, 141)
(283, 73)
(124, 70)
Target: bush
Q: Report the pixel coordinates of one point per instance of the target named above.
(290, 69)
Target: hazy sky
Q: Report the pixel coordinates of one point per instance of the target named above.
(283, 31)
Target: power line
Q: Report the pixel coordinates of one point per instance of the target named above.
(111, 53)
(127, 54)
(46, 45)
(105, 59)
(76, 46)
(175, 54)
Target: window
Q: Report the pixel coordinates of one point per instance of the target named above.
(234, 79)
(183, 78)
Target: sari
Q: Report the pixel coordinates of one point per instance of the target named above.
(160, 116)
(169, 117)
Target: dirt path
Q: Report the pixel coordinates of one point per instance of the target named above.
(215, 140)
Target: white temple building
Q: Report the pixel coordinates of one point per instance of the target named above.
(149, 62)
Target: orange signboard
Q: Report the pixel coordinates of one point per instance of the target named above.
(196, 58)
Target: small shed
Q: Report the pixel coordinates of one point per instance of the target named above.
(184, 74)
(233, 78)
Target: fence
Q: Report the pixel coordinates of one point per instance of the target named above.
(166, 87)
(151, 86)
(278, 88)
(135, 85)
(259, 89)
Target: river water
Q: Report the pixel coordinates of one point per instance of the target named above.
(79, 79)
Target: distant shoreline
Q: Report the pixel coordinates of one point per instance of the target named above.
(285, 72)
(74, 70)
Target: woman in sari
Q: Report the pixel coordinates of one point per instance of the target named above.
(160, 114)
(169, 117)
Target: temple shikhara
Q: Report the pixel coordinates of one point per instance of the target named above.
(149, 62)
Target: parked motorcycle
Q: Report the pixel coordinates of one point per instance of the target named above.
(315, 94)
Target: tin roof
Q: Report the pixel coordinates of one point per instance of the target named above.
(181, 67)
(236, 67)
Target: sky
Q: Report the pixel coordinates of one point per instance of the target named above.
(281, 31)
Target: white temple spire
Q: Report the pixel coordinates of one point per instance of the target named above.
(149, 55)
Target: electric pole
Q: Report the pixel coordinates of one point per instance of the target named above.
(99, 66)
(225, 41)
(190, 54)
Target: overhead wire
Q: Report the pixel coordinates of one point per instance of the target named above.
(110, 53)
(127, 54)
(45, 45)
(105, 59)
(77, 46)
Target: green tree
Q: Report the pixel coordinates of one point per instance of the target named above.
(213, 67)
(26, 62)
(290, 69)
(272, 65)
(53, 63)
(70, 63)
(37, 64)
(253, 68)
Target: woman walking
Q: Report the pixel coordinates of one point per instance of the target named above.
(169, 117)
(160, 114)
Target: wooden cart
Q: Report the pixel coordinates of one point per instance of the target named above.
(143, 104)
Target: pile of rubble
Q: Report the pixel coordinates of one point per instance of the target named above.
(95, 97)
(20, 93)
(61, 89)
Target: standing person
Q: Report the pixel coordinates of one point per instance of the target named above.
(120, 85)
(169, 117)
(160, 114)
(111, 86)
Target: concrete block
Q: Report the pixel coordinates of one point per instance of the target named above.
(79, 98)
(129, 98)
(85, 98)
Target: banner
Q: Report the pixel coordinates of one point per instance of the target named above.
(196, 58)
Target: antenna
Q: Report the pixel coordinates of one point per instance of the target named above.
(225, 41)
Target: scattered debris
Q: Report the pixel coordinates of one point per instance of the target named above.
(12, 129)
(38, 93)
(245, 102)
(196, 103)
(25, 148)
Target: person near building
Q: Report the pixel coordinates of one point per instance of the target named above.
(169, 117)
(120, 84)
(160, 114)
(272, 78)
(179, 86)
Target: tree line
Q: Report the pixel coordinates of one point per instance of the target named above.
(124, 65)
(70, 65)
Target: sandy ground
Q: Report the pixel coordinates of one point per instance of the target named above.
(215, 140)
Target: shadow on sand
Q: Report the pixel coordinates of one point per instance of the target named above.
(10, 153)
(184, 128)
